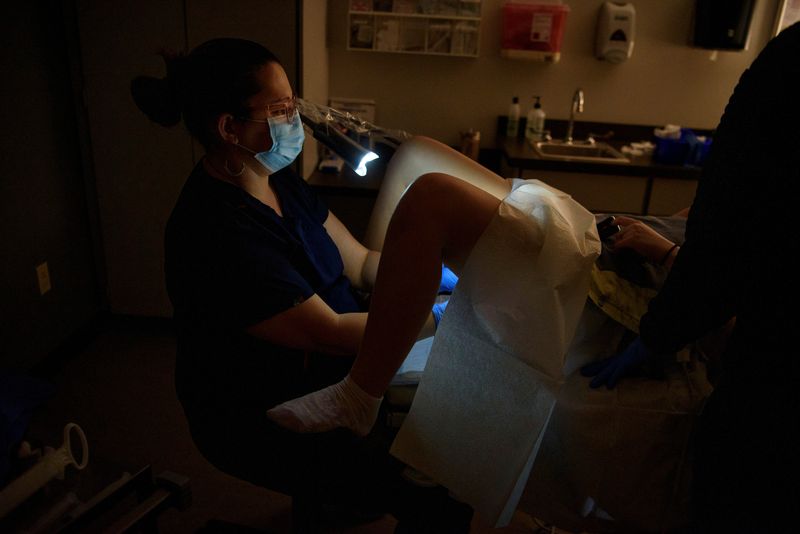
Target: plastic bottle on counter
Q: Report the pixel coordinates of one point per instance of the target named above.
(512, 127)
(534, 127)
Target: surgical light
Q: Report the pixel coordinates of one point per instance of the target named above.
(355, 155)
(327, 132)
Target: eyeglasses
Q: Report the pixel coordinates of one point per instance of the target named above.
(284, 110)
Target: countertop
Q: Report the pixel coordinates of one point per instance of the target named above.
(519, 153)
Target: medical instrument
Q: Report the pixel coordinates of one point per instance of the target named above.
(153, 495)
(609, 231)
(52, 465)
(605, 222)
(103, 494)
(356, 141)
(606, 228)
(54, 515)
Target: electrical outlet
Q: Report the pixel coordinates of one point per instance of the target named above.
(43, 274)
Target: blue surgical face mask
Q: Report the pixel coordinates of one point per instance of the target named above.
(287, 142)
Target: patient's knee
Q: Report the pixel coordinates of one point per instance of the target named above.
(426, 196)
(419, 146)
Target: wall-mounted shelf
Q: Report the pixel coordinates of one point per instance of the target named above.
(430, 27)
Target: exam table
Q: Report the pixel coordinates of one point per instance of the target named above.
(610, 460)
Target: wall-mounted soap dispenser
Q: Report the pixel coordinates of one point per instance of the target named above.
(616, 26)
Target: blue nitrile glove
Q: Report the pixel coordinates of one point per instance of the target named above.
(438, 311)
(448, 282)
(626, 363)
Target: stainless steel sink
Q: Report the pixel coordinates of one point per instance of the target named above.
(579, 151)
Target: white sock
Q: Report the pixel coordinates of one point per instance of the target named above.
(343, 404)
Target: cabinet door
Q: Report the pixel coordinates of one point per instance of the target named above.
(139, 166)
(598, 193)
(670, 196)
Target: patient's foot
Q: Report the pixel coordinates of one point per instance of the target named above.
(343, 404)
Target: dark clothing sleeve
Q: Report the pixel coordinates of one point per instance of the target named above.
(734, 261)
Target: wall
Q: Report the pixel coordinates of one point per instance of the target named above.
(140, 166)
(44, 210)
(314, 70)
(665, 81)
(48, 200)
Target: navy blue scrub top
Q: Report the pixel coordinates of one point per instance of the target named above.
(232, 262)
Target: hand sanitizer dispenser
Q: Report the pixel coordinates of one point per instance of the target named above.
(615, 31)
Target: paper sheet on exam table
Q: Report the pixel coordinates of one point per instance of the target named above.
(497, 358)
(411, 369)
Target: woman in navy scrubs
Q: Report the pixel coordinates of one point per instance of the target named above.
(261, 276)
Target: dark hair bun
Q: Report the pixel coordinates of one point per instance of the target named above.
(156, 99)
(218, 76)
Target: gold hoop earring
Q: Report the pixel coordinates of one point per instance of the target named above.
(233, 174)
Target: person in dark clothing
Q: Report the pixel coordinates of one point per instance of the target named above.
(736, 264)
(262, 279)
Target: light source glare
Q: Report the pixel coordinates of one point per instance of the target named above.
(361, 170)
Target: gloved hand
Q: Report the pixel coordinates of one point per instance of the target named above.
(438, 311)
(448, 282)
(626, 363)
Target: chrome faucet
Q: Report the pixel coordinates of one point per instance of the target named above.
(577, 106)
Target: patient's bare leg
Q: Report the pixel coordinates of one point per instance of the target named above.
(416, 157)
(439, 219)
